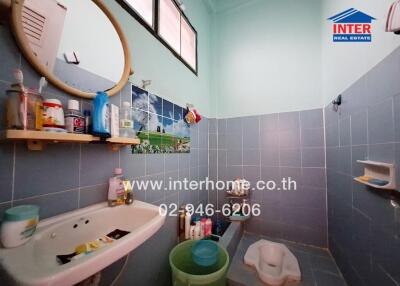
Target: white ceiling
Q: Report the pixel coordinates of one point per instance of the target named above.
(219, 6)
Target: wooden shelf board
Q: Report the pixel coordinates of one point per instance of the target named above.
(236, 197)
(123, 140)
(36, 138)
(239, 218)
(47, 136)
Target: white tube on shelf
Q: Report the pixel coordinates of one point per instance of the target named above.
(188, 218)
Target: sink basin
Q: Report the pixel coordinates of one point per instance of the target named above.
(35, 263)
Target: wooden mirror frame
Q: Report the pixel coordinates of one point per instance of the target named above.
(23, 44)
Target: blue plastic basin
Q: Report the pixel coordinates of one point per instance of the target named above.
(205, 252)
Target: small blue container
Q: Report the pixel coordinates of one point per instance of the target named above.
(205, 252)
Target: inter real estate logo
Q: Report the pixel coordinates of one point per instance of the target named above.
(352, 26)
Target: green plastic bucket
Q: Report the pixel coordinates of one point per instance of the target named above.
(185, 272)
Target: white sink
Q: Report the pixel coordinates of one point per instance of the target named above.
(35, 263)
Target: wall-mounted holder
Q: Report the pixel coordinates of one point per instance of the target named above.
(145, 83)
(337, 102)
(378, 171)
(241, 200)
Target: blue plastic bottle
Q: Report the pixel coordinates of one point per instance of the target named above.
(101, 115)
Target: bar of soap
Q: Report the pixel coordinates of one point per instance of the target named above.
(82, 248)
(378, 182)
(365, 178)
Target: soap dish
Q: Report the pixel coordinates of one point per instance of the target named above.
(378, 175)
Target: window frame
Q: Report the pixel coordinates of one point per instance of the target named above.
(154, 30)
(137, 14)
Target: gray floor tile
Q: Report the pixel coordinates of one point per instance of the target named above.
(326, 279)
(324, 264)
(316, 264)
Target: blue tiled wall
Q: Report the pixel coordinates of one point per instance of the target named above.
(270, 147)
(364, 228)
(65, 177)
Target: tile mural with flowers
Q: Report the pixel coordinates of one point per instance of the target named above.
(159, 124)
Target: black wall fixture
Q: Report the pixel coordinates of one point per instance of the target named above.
(337, 102)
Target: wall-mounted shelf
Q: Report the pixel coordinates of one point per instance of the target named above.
(36, 140)
(380, 171)
(239, 217)
(118, 142)
(230, 196)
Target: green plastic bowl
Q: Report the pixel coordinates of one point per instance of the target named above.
(185, 272)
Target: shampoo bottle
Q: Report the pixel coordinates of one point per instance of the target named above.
(116, 190)
(208, 227)
(101, 115)
(203, 228)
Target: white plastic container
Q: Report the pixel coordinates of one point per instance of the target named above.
(203, 222)
(114, 125)
(126, 121)
(74, 119)
(53, 115)
(188, 219)
(19, 224)
(197, 231)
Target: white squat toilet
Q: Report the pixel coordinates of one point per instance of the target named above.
(274, 262)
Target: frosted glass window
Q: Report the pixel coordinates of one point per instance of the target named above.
(144, 8)
(188, 44)
(169, 26)
(165, 20)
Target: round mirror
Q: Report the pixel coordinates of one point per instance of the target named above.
(75, 44)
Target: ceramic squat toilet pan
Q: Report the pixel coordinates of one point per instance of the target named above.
(274, 262)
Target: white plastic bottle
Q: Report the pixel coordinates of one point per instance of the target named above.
(116, 189)
(126, 121)
(74, 119)
(197, 230)
(203, 228)
(188, 218)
